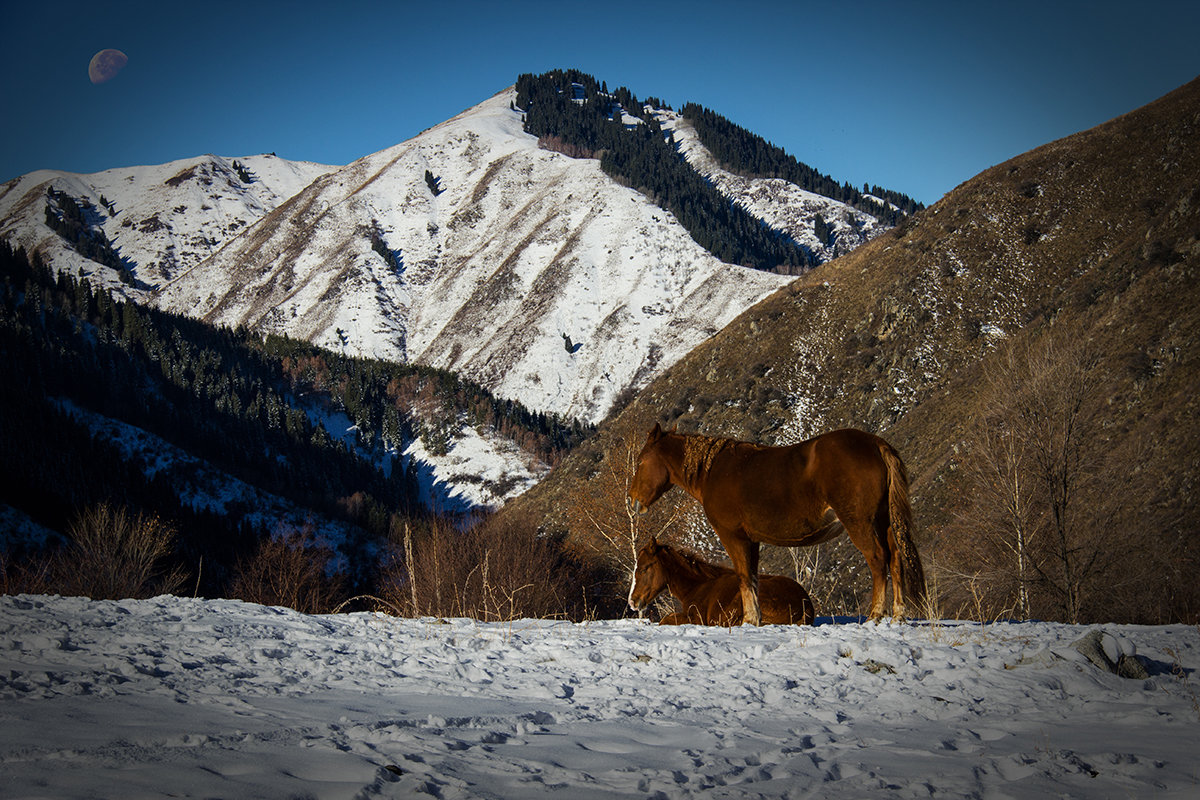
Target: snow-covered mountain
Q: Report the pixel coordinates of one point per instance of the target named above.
(161, 220)
(471, 249)
(467, 248)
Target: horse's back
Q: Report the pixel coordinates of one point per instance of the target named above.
(784, 495)
(783, 601)
(827, 458)
(847, 449)
(839, 466)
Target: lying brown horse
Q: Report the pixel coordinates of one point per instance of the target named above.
(711, 594)
(846, 481)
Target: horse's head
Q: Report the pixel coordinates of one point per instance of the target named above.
(649, 576)
(651, 477)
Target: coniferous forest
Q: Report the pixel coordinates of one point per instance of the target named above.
(748, 154)
(571, 112)
(249, 406)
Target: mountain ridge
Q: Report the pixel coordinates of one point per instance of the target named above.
(163, 217)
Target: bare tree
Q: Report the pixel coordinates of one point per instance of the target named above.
(498, 570)
(1002, 512)
(1059, 414)
(1041, 515)
(289, 569)
(605, 510)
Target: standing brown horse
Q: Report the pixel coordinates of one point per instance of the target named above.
(846, 481)
(710, 593)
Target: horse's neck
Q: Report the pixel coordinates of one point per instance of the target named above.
(687, 464)
(682, 576)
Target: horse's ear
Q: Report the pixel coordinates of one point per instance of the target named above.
(656, 432)
(652, 545)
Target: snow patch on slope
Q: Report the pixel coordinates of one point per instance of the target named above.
(203, 487)
(782, 205)
(477, 472)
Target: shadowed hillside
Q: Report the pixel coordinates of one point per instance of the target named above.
(1067, 273)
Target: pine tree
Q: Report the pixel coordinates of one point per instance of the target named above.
(434, 183)
(242, 172)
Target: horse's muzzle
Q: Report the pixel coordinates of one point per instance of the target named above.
(635, 506)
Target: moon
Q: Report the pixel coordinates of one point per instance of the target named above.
(106, 64)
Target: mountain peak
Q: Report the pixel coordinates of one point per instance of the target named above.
(471, 247)
(518, 245)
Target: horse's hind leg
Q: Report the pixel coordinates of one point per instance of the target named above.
(899, 600)
(874, 547)
(744, 555)
(752, 612)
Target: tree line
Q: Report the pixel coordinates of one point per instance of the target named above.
(249, 405)
(571, 109)
(572, 113)
(747, 154)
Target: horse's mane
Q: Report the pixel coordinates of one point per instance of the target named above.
(705, 569)
(698, 454)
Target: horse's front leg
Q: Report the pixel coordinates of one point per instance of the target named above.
(744, 555)
(751, 611)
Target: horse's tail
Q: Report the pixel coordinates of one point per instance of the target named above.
(899, 530)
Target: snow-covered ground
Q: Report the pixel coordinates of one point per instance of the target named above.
(193, 698)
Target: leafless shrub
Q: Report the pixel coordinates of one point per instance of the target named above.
(611, 533)
(831, 572)
(810, 569)
(113, 554)
(495, 571)
(288, 569)
(29, 575)
(617, 530)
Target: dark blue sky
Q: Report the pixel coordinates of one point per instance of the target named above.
(916, 97)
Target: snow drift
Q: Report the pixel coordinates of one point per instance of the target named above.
(197, 698)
